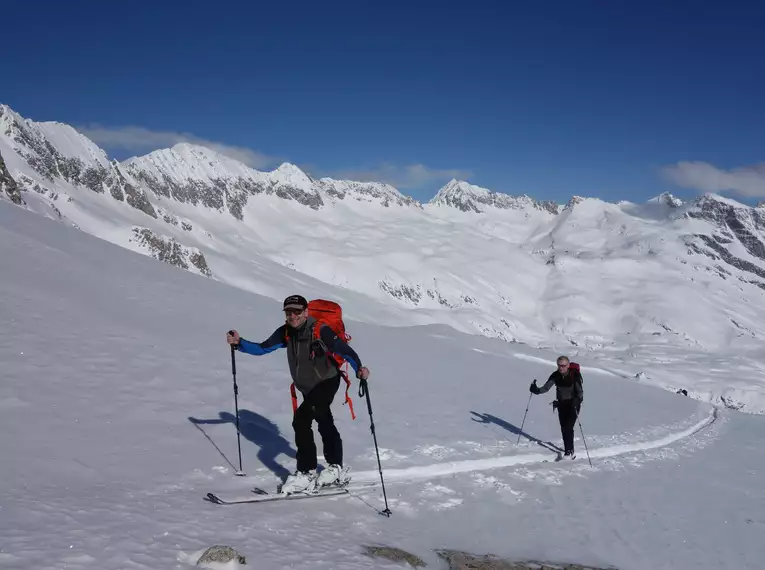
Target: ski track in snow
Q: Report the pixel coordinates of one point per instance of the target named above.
(363, 479)
(472, 465)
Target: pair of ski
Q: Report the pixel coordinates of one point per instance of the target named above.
(261, 495)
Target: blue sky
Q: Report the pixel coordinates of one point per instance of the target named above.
(613, 99)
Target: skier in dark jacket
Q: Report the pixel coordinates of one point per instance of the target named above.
(318, 379)
(569, 395)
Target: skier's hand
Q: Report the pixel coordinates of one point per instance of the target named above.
(363, 373)
(232, 337)
(534, 389)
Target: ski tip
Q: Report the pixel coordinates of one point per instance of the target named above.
(212, 498)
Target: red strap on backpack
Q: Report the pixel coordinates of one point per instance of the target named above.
(347, 397)
(342, 365)
(348, 400)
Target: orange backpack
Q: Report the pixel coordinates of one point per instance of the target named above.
(331, 314)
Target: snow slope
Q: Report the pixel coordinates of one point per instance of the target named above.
(117, 413)
(654, 292)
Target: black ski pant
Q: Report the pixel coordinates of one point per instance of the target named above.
(567, 414)
(316, 406)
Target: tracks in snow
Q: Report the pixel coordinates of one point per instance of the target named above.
(425, 472)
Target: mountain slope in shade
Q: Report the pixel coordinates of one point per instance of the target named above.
(610, 282)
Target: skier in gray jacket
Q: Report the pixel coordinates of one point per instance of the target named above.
(569, 395)
(318, 379)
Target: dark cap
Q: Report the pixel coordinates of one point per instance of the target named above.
(295, 302)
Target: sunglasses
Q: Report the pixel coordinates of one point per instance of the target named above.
(292, 311)
(562, 365)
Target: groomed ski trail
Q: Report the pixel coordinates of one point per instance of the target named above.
(433, 471)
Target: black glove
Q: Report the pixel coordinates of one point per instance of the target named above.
(534, 389)
(555, 404)
(578, 405)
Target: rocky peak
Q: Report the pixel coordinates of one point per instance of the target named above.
(376, 192)
(668, 199)
(573, 202)
(201, 176)
(719, 210)
(290, 175)
(468, 197)
(62, 159)
(733, 221)
(9, 121)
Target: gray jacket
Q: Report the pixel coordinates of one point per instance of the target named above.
(307, 355)
(306, 366)
(568, 387)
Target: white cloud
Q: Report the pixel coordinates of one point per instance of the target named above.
(746, 180)
(403, 177)
(140, 139)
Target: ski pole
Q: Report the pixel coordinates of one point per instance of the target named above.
(524, 417)
(585, 443)
(364, 391)
(236, 406)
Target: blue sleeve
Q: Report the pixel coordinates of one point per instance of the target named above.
(273, 342)
(337, 345)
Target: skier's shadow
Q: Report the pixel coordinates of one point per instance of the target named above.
(259, 430)
(490, 419)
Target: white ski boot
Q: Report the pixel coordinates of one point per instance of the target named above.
(299, 482)
(334, 476)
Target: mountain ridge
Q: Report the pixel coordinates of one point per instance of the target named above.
(589, 276)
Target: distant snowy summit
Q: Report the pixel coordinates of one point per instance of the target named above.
(471, 198)
(668, 200)
(192, 173)
(384, 194)
(198, 175)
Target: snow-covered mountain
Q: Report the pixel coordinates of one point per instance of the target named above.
(626, 284)
(51, 157)
(372, 192)
(471, 198)
(198, 176)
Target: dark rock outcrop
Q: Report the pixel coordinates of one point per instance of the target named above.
(8, 184)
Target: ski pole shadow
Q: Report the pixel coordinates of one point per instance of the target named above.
(256, 429)
(491, 419)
